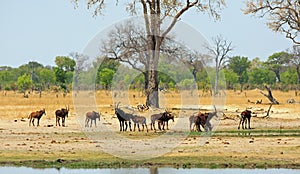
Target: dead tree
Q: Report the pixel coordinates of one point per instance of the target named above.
(269, 95)
(268, 112)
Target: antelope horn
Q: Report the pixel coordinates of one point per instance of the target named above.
(117, 104)
(215, 108)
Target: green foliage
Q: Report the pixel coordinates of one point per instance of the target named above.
(187, 84)
(137, 83)
(260, 76)
(171, 74)
(239, 65)
(203, 81)
(7, 77)
(24, 82)
(47, 77)
(106, 75)
(276, 63)
(289, 77)
(65, 63)
(60, 75)
(106, 72)
(64, 70)
(231, 78)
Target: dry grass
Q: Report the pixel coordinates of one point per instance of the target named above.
(22, 142)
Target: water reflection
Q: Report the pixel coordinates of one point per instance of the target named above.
(152, 170)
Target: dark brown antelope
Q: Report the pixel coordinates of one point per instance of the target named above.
(164, 120)
(137, 120)
(245, 116)
(123, 118)
(90, 116)
(62, 113)
(160, 118)
(192, 120)
(202, 119)
(36, 115)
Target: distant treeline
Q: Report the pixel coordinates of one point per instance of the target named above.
(279, 70)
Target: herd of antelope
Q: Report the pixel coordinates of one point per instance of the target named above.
(59, 114)
(196, 121)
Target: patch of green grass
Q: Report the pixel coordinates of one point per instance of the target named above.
(212, 162)
(251, 132)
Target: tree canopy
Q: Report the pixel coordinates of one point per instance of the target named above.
(282, 15)
(157, 26)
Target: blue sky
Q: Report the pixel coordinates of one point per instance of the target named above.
(35, 30)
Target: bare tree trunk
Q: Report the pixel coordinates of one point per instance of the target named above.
(298, 73)
(268, 113)
(146, 77)
(217, 80)
(269, 95)
(152, 94)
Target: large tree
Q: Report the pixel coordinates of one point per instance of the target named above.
(127, 43)
(155, 13)
(64, 70)
(277, 62)
(24, 83)
(282, 15)
(219, 52)
(295, 60)
(239, 65)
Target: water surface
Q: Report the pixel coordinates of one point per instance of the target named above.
(25, 170)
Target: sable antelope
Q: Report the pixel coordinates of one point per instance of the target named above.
(139, 120)
(36, 115)
(203, 120)
(192, 120)
(123, 118)
(164, 120)
(91, 116)
(62, 113)
(160, 118)
(245, 116)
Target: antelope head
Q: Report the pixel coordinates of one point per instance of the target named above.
(44, 111)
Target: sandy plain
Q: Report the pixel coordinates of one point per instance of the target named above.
(272, 141)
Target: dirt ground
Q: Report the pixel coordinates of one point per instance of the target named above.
(275, 138)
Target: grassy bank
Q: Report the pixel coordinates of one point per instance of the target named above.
(104, 161)
(181, 157)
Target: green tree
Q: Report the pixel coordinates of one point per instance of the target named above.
(7, 77)
(24, 83)
(106, 71)
(295, 60)
(64, 70)
(155, 13)
(203, 80)
(261, 76)
(106, 77)
(239, 65)
(255, 63)
(289, 77)
(277, 62)
(186, 84)
(32, 68)
(65, 63)
(47, 77)
(231, 78)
